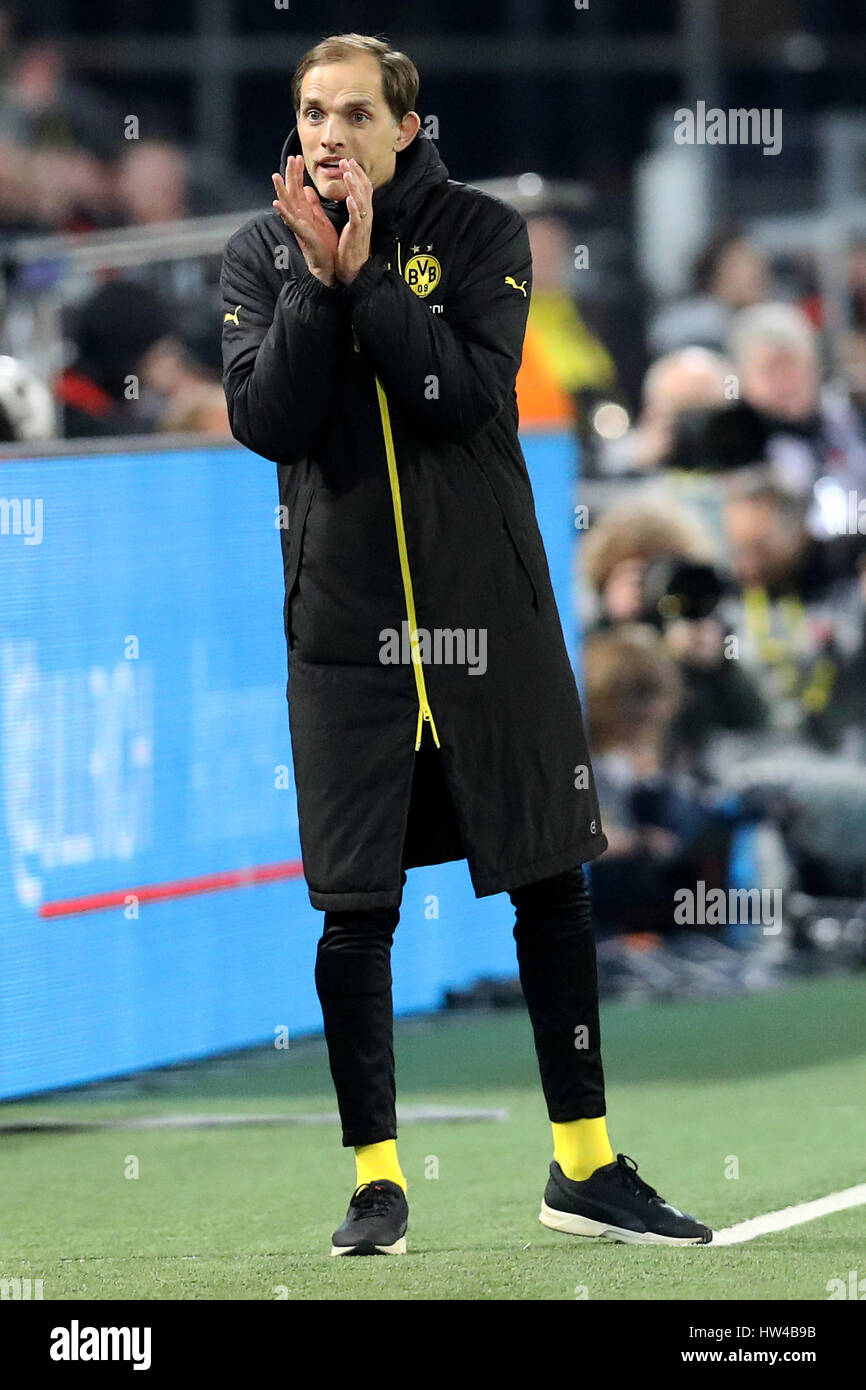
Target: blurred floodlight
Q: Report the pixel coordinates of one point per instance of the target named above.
(533, 195)
(530, 185)
(826, 931)
(26, 401)
(611, 420)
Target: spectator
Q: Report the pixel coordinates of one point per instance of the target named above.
(55, 137)
(621, 545)
(152, 178)
(651, 562)
(798, 617)
(199, 409)
(811, 434)
(563, 362)
(688, 379)
(730, 273)
(41, 106)
(662, 831)
(69, 190)
(103, 392)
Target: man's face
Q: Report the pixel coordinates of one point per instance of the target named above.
(781, 381)
(741, 276)
(764, 550)
(344, 115)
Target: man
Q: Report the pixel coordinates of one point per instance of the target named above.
(373, 326)
(799, 612)
(813, 433)
(730, 273)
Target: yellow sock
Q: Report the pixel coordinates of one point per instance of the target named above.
(374, 1161)
(581, 1146)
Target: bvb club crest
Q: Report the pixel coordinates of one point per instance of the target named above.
(422, 274)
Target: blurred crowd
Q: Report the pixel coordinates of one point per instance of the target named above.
(722, 580)
(136, 356)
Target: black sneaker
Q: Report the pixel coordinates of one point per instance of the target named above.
(376, 1221)
(615, 1204)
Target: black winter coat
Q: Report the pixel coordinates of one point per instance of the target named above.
(390, 410)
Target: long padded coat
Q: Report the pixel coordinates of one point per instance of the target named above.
(390, 410)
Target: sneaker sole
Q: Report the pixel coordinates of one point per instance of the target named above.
(366, 1247)
(571, 1224)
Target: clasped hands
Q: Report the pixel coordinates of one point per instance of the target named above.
(328, 256)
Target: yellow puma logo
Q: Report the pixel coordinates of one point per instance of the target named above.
(232, 317)
(509, 280)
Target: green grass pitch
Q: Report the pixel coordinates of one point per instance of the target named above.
(776, 1082)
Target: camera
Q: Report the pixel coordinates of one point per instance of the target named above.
(680, 589)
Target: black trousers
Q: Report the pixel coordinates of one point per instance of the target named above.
(556, 960)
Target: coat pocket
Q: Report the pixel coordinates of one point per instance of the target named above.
(518, 534)
(298, 512)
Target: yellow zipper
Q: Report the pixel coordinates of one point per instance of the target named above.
(424, 711)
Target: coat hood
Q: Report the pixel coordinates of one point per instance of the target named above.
(419, 168)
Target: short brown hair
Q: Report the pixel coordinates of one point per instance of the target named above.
(642, 529)
(632, 685)
(400, 80)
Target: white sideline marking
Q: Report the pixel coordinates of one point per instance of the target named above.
(406, 1114)
(790, 1216)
